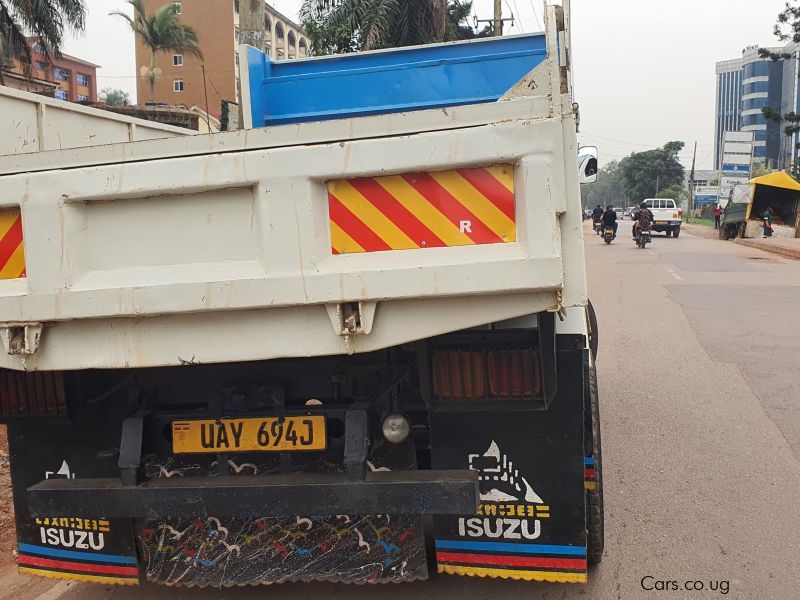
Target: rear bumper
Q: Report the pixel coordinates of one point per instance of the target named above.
(661, 226)
(399, 492)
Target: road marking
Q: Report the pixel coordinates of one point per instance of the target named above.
(675, 275)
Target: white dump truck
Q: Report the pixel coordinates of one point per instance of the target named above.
(351, 343)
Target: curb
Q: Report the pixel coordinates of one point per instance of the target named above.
(702, 231)
(782, 250)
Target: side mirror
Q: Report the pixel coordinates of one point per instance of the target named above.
(587, 164)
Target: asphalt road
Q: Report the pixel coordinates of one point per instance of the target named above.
(698, 366)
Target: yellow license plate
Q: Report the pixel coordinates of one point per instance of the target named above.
(261, 434)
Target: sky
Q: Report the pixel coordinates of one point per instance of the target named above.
(643, 70)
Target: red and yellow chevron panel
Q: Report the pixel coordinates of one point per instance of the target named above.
(437, 209)
(12, 251)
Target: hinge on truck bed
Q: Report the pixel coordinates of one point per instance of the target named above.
(352, 318)
(21, 338)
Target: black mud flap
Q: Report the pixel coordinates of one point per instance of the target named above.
(68, 546)
(530, 524)
(232, 551)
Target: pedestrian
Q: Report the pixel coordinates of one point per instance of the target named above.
(717, 214)
(768, 217)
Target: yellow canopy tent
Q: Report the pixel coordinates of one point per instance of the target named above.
(779, 191)
(779, 179)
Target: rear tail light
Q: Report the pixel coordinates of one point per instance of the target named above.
(680, 213)
(32, 395)
(508, 373)
(514, 374)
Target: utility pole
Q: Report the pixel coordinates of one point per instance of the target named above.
(205, 91)
(658, 184)
(691, 185)
(498, 18)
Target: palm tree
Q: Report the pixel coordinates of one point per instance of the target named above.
(45, 20)
(375, 24)
(160, 32)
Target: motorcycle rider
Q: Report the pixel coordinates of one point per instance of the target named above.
(644, 218)
(597, 215)
(610, 219)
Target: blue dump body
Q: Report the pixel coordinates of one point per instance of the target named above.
(352, 85)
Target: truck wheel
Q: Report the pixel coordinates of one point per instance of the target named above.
(676, 232)
(669, 232)
(595, 522)
(723, 233)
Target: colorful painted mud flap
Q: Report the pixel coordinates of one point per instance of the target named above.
(530, 524)
(68, 547)
(437, 209)
(223, 552)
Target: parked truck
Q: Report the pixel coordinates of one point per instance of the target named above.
(743, 215)
(349, 344)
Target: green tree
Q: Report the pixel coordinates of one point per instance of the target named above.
(609, 188)
(115, 97)
(160, 32)
(326, 38)
(676, 192)
(645, 173)
(353, 25)
(46, 20)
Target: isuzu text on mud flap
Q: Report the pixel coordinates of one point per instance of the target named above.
(268, 356)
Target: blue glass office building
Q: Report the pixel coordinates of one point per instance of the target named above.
(745, 86)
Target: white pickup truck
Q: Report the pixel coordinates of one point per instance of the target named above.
(667, 217)
(270, 355)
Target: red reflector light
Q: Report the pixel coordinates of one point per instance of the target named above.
(509, 373)
(459, 374)
(514, 374)
(39, 394)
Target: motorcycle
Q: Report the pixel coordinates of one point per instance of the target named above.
(643, 238)
(608, 234)
(597, 225)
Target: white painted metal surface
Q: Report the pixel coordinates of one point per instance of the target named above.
(33, 123)
(217, 248)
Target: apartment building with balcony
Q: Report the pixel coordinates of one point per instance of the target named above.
(217, 25)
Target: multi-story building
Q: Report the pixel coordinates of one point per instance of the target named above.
(745, 86)
(217, 25)
(74, 79)
(748, 85)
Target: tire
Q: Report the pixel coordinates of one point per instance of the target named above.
(594, 337)
(607, 240)
(668, 232)
(676, 232)
(595, 515)
(723, 233)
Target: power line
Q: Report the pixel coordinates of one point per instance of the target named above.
(518, 16)
(536, 14)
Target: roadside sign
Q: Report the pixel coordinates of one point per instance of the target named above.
(737, 152)
(738, 136)
(740, 169)
(728, 181)
(736, 148)
(706, 195)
